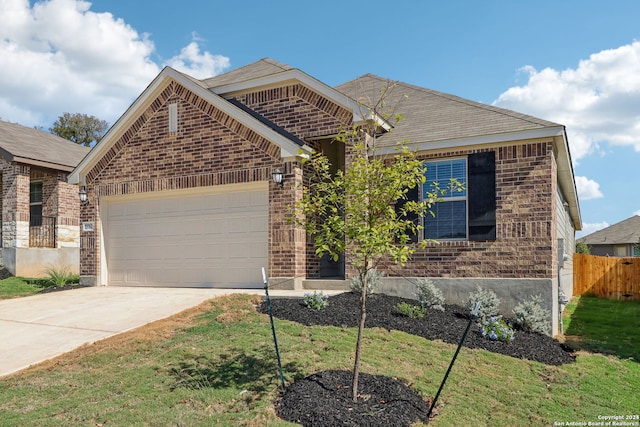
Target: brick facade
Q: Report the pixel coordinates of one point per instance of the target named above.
(211, 148)
(59, 202)
(524, 245)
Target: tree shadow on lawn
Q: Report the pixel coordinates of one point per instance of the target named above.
(256, 371)
(605, 326)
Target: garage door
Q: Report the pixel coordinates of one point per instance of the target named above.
(216, 238)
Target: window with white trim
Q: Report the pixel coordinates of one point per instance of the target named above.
(450, 220)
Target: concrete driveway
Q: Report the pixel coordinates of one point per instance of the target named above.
(40, 327)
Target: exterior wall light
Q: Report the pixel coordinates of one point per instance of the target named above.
(82, 194)
(278, 177)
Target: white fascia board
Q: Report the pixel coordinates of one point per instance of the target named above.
(360, 112)
(478, 140)
(288, 148)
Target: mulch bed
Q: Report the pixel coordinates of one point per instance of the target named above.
(51, 289)
(324, 398)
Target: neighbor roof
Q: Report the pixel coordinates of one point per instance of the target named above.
(34, 147)
(624, 232)
(431, 116)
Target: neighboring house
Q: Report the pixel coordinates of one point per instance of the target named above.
(181, 191)
(621, 239)
(40, 209)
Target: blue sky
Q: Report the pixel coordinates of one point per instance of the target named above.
(573, 62)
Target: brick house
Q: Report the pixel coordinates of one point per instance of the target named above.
(181, 190)
(40, 209)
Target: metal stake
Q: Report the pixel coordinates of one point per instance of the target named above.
(474, 315)
(273, 329)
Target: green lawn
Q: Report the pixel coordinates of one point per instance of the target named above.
(219, 368)
(15, 287)
(604, 326)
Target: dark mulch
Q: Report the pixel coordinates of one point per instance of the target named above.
(50, 289)
(447, 326)
(324, 398)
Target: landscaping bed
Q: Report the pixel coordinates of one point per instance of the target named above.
(324, 398)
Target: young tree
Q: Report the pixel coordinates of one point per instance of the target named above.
(357, 209)
(79, 128)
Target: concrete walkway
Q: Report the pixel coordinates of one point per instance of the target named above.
(40, 327)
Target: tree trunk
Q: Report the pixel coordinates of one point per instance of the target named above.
(363, 315)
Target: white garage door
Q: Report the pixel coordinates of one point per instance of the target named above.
(216, 238)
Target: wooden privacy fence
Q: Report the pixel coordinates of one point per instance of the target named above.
(608, 277)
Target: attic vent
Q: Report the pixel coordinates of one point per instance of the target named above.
(173, 117)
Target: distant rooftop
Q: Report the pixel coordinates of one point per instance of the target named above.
(31, 146)
(624, 232)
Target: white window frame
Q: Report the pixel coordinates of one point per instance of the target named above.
(446, 199)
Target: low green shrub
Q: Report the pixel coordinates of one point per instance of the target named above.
(61, 275)
(316, 301)
(373, 279)
(412, 311)
(489, 303)
(531, 316)
(429, 296)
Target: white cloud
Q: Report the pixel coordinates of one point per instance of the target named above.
(588, 228)
(587, 188)
(58, 56)
(598, 101)
(196, 64)
(637, 212)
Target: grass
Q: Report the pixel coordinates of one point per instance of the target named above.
(604, 326)
(215, 365)
(15, 287)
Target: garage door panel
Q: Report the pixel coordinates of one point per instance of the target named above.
(216, 239)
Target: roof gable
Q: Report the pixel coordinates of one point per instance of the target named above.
(35, 147)
(288, 147)
(267, 73)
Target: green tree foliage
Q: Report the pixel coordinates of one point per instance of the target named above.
(582, 248)
(79, 128)
(355, 209)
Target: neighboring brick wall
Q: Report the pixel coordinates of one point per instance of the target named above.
(209, 148)
(15, 208)
(525, 219)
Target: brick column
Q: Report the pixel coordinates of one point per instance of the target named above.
(287, 241)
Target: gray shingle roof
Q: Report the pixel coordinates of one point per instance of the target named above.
(624, 232)
(32, 146)
(435, 116)
(261, 68)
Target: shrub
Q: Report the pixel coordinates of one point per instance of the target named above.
(412, 311)
(429, 296)
(373, 279)
(495, 328)
(316, 301)
(531, 316)
(489, 303)
(60, 275)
